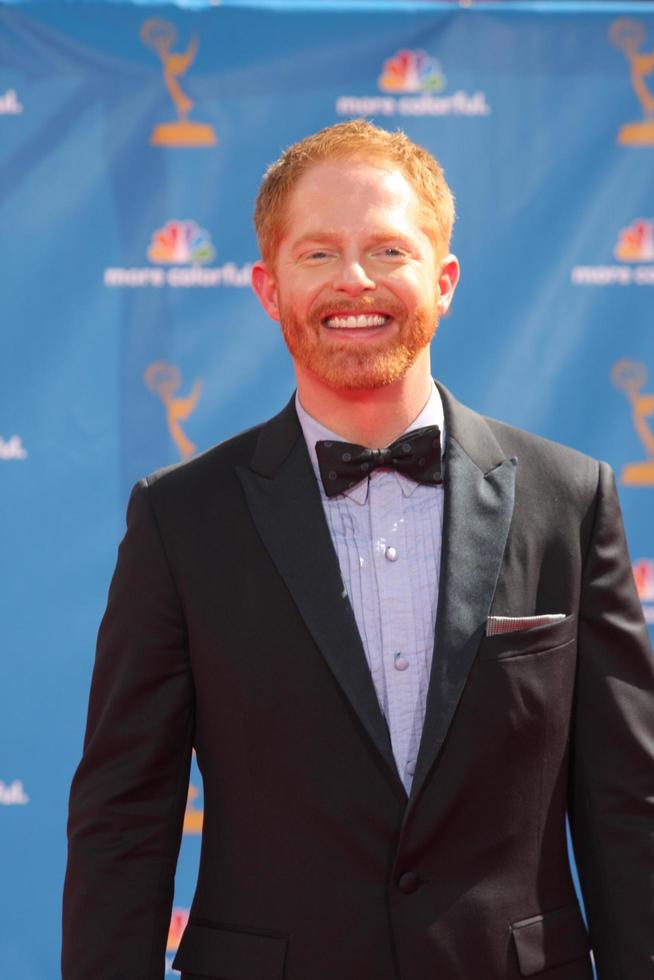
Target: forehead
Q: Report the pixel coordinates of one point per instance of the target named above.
(351, 190)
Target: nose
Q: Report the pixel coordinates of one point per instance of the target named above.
(352, 278)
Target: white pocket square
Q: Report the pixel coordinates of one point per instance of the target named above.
(511, 624)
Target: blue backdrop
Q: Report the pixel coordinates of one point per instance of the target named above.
(132, 142)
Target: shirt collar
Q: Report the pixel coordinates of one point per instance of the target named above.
(314, 431)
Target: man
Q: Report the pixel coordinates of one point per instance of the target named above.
(402, 638)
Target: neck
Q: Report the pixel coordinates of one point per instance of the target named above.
(371, 417)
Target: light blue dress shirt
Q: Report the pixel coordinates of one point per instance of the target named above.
(387, 533)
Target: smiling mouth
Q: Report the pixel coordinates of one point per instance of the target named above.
(360, 321)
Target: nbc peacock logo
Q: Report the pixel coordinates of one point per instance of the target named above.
(636, 242)
(412, 83)
(181, 243)
(634, 251)
(412, 71)
(178, 922)
(187, 250)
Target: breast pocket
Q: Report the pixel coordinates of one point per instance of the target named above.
(553, 939)
(227, 953)
(523, 642)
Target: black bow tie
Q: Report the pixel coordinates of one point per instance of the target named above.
(416, 455)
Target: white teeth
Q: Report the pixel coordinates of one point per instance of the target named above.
(353, 322)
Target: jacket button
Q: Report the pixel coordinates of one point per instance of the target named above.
(409, 882)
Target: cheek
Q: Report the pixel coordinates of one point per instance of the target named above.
(302, 293)
(314, 299)
(411, 289)
(427, 289)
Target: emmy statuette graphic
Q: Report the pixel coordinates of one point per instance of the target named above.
(631, 377)
(161, 35)
(628, 35)
(193, 818)
(164, 380)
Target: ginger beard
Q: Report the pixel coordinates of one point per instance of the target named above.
(352, 364)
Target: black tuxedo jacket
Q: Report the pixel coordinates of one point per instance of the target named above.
(228, 629)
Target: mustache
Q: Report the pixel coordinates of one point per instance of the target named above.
(360, 306)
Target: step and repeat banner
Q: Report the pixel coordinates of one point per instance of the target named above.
(132, 142)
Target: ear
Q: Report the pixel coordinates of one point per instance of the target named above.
(447, 280)
(265, 286)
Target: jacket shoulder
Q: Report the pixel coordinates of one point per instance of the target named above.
(546, 462)
(210, 474)
(541, 463)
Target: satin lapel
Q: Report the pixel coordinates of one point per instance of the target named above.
(284, 500)
(479, 493)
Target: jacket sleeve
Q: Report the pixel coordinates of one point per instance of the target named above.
(612, 784)
(128, 794)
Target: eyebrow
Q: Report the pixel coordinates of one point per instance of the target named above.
(315, 236)
(331, 237)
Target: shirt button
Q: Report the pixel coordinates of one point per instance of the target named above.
(409, 883)
(411, 767)
(400, 662)
(391, 553)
